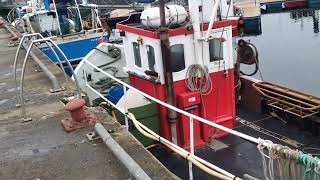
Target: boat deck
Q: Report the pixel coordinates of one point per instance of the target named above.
(41, 149)
(239, 156)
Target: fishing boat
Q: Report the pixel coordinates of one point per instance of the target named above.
(176, 80)
(61, 21)
(295, 4)
(186, 66)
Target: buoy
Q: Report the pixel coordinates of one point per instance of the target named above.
(175, 14)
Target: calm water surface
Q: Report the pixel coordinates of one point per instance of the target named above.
(289, 50)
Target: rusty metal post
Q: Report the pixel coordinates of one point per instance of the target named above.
(79, 117)
(165, 44)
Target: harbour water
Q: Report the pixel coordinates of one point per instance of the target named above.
(289, 50)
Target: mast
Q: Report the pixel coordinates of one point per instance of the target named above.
(172, 115)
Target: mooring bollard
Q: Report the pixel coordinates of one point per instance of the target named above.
(79, 117)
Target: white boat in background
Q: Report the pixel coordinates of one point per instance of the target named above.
(107, 56)
(62, 21)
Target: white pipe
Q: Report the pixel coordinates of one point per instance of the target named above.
(34, 6)
(135, 170)
(185, 154)
(191, 147)
(165, 141)
(244, 136)
(16, 61)
(212, 19)
(195, 18)
(169, 143)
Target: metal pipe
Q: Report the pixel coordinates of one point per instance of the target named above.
(69, 65)
(60, 62)
(11, 31)
(195, 19)
(90, 6)
(51, 76)
(213, 17)
(23, 111)
(164, 38)
(135, 170)
(16, 62)
(191, 147)
(79, 14)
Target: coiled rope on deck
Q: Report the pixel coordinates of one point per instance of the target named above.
(198, 79)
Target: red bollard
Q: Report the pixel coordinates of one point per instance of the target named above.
(1, 23)
(79, 117)
(14, 38)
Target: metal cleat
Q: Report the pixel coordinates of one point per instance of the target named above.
(26, 119)
(92, 136)
(57, 90)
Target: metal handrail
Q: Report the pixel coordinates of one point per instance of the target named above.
(47, 41)
(192, 117)
(244, 136)
(161, 139)
(16, 61)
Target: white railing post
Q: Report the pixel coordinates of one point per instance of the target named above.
(125, 109)
(191, 147)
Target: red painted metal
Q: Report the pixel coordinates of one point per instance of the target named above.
(76, 109)
(295, 4)
(176, 31)
(189, 99)
(1, 23)
(218, 106)
(185, 101)
(14, 38)
(79, 117)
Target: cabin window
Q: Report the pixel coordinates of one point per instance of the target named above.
(215, 50)
(177, 62)
(151, 58)
(137, 55)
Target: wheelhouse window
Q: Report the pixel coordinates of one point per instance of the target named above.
(151, 58)
(216, 50)
(137, 55)
(177, 62)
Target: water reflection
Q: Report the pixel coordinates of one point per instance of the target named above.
(289, 50)
(299, 16)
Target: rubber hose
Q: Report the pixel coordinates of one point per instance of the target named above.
(256, 63)
(185, 155)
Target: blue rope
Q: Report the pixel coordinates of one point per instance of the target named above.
(312, 166)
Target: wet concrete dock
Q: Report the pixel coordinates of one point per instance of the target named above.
(41, 149)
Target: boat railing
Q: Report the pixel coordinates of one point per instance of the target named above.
(35, 39)
(189, 155)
